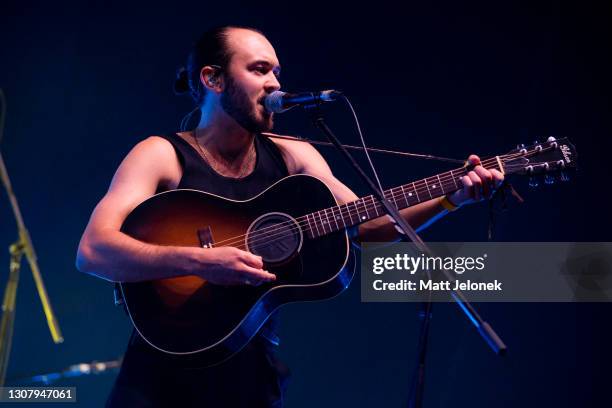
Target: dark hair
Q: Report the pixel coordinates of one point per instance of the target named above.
(211, 49)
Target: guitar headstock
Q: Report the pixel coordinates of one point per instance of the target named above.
(554, 155)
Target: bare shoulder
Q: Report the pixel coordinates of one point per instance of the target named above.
(300, 156)
(150, 164)
(154, 156)
(154, 146)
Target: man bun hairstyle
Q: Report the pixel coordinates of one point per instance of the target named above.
(211, 49)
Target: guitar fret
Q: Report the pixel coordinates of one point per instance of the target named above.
(425, 180)
(409, 195)
(318, 223)
(314, 219)
(335, 218)
(415, 192)
(454, 180)
(376, 206)
(309, 226)
(329, 224)
(394, 200)
(372, 207)
(348, 209)
(405, 197)
(440, 184)
(341, 215)
(363, 217)
(322, 222)
(357, 210)
(365, 208)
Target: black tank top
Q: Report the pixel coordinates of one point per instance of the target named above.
(198, 175)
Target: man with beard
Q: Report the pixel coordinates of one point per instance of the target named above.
(229, 73)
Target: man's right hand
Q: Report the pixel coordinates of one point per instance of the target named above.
(232, 266)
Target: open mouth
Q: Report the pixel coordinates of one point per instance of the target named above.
(261, 102)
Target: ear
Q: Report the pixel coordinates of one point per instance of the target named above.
(211, 78)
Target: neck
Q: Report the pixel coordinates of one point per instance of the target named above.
(356, 212)
(221, 134)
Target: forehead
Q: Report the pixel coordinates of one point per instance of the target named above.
(248, 46)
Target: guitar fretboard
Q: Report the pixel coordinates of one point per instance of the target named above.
(337, 218)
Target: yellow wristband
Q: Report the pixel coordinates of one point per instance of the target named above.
(446, 203)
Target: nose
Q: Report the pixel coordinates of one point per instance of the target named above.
(272, 84)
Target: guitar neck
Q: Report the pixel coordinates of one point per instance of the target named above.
(356, 212)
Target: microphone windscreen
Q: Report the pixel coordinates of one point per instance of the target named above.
(274, 102)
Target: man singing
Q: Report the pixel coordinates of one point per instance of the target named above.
(229, 73)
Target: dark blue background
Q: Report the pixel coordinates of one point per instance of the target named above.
(88, 80)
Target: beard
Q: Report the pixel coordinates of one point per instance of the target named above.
(236, 103)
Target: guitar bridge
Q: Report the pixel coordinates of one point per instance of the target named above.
(205, 237)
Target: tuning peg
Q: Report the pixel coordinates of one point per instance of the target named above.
(548, 179)
(537, 146)
(564, 177)
(533, 182)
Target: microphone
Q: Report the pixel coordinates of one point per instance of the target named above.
(278, 101)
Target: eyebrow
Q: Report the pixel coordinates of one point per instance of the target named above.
(276, 69)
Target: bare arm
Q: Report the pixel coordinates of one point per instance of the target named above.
(106, 252)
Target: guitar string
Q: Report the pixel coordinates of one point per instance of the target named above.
(366, 206)
(279, 233)
(272, 235)
(266, 232)
(270, 231)
(373, 205)
(303, 220)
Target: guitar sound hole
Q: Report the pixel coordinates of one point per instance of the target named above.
(276, 237)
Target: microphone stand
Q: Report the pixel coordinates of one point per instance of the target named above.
(407, 232)
(23, 246)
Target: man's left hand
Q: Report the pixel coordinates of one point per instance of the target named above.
(479, 184)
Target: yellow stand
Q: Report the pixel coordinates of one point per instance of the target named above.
(17, 250)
